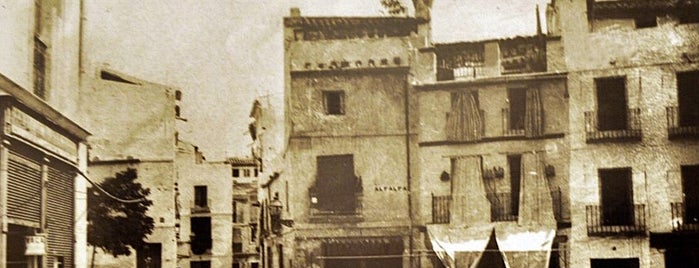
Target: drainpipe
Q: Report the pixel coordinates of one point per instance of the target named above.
(406, 104)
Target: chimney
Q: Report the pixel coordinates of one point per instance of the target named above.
(422, 9)
(295, 12)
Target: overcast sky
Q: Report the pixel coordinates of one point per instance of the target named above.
(225, 53)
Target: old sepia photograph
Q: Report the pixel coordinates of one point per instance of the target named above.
(349, 134)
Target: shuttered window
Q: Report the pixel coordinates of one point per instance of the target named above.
(23, 188)
(60, 212)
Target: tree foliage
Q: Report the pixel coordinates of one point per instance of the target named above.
(116, 226)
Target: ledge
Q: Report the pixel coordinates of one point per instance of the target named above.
(492, 139)
(368, 70)
(450, 84)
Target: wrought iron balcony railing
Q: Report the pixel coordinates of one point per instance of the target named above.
(441, 208)
(510, 128)
(200, 206)
(616, 220)
(340, 206)
(677, 129)
(632, 131)
(683, 221)
(502, 207)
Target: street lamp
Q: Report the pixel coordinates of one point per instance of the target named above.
(275, 212)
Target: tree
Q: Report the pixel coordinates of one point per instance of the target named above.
(116, 214)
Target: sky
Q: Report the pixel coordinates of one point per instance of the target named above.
(223, 54)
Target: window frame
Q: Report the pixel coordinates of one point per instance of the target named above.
(340, 106)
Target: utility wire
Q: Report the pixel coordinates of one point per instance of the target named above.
(128, 201)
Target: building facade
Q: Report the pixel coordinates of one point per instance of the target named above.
(633, 85)
(134, 124)
(42, 150)
(493, 150)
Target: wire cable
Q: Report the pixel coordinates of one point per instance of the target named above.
(127, 201)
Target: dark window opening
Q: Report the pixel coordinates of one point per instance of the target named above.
(257, 172)
(611, 103)
(236, 265)
(237, 247)
(515, 164)
(616, 187)
(178, 95)
(201, 232)
(200, 264)
(334, 102)
(254, 265)
(681, 258)
(40, 62)
(689, 15)
(336, 185)
(690, 191)
(177, 111)
(149, 256)
(200, 196)
(517, 99)
(280, 251)
(688, 98)
(614, 263)
(646, 21)
(236, 173)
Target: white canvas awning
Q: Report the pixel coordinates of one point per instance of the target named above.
(519, 246)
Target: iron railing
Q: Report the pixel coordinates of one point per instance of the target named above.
(677, 129)
(348, 207)
(201, 206)
(682, 221)
(441, 208)
(632, 131)
(507, 125)
(502, 207)
(615, 220)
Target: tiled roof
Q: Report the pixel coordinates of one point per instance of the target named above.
(325, 22)
(237, 161)
(609, 8)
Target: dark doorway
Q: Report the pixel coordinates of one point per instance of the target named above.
(201, 230)
(360, 253)
(616, 188)
(688, 98)
(611, 103)
(149, 256)
(15, 246)
(517, 99)
(614, 263)
(690, 190)
(492, 256)
(681, 257)
(515, 163)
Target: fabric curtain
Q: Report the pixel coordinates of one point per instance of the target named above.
(536, 207)
(464, 122)
(534, 113)
(524, 247)
(470, 205)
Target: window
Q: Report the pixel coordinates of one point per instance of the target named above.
(645, 21)
(611, 103)
(246, 173)
(334, 102)
(256, 172)
(254, 265)
(236, 173)
(336, 185)
(201, 235)
(200, 264)
(239, 210)
(280, 251)
(688, 98)
(690, 191)
(149, 256)
(616, 196)
(614, 263)
(200, 196)
(40, 62)
(517, 100)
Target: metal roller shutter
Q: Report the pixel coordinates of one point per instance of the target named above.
(60, 213)
(23, 188)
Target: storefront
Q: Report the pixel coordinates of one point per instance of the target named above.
(39, 162)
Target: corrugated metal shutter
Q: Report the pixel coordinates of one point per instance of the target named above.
(23, 188)
(60, 213)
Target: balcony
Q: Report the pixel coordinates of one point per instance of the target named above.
(347, 205)
(441, 206)
(502, 207)
(620, 220)
(200, 207)
(632, 131)
(683, 221)
(509, 128)
(676, 129)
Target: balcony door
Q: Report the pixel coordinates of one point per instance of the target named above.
(336, 183)
(690, 191)
(616, 196)
(611, 103)
(688, 98)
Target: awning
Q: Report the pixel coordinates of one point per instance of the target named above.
(464, 246)
(468, 242)
(525, 247)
